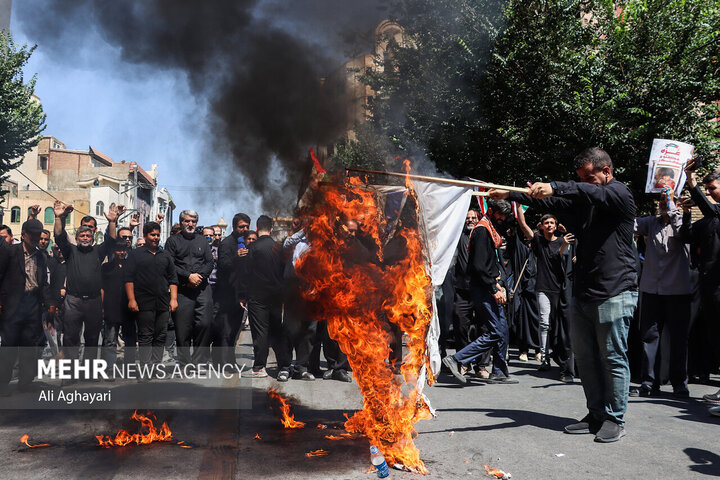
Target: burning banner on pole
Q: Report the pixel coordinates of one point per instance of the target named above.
(369, 299)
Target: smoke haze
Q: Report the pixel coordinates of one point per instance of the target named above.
(255, 66)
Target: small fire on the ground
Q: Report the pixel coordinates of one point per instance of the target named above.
(494, 472)
(288, 419)
(24, 439)
(257, 436)
(342, 436)
(148, 433)
(316, 453)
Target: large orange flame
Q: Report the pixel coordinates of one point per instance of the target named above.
(148, 433)
(24, 439)
(288, 419)
(358, 302)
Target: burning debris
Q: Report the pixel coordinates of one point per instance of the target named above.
(288, 419)
(148, 433)
(366, 304)
(316, 453)
(257, 437)
(494, 472)
(24, 439)
(342, 436)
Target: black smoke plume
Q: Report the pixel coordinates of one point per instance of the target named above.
(257, 65)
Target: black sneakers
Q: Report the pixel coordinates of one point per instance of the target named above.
(454, 368)
(588, 424)
(610, 432)
(501, 379)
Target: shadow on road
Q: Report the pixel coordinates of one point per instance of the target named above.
(707, 463)
(518, 418)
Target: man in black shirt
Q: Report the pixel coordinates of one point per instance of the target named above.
(488, 296)
(194, 264)
(704, 238)
(83, 302)
(231, 270)
(550, 250)
(151, 285)
(115, 314)
(23, 293)
(602, 215)
(265, 295)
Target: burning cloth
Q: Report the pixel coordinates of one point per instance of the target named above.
(365, 299)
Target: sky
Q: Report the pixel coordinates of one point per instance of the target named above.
(101, 87)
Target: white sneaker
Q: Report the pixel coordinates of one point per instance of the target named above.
(257, 373)
(523, 357)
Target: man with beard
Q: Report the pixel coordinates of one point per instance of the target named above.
(23, 293)
(488, 296)
(193, 260)
(83, 302)
(216, 325)
(231, 272)
(151, 286)
(464, 318)
(601, 211)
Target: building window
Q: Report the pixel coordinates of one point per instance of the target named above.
(29, 212)
(43, 162)
(15, 215)
(49, 215)
(99, 209)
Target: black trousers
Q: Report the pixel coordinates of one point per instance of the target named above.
(266, 327)
(22, 339)
(228, 322)
(706, 330)
(152, 330)
(301, 329)
(128, 331)
(467, 326)
(661, 316)
(193, 324)
(78, 312)
(335, 358)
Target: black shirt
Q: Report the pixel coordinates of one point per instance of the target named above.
(151, 276)
(190, 255)
(460, 275)
(603, 220)
(113, 284)
(83, 265)
(266, 268)
(704, 237)
(483, 266)
(231, 272)
(549, 264)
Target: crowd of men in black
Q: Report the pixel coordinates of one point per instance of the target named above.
(194, 293)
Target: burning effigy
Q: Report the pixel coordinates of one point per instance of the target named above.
(371, 296)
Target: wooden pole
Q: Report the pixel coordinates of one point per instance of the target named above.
(448, 181)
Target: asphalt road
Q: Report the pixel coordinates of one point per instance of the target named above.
(516, 428)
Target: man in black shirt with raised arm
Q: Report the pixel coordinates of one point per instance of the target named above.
(193, 263)
(151, 286)
(83, 302)
(601, 211)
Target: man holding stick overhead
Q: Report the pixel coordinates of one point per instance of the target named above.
(605, 292)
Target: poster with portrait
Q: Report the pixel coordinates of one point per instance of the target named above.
(666, 167)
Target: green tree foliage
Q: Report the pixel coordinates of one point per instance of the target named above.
(510, 92)
(21, 118)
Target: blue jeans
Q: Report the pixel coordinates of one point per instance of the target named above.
(599, 332)
(495, 339)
